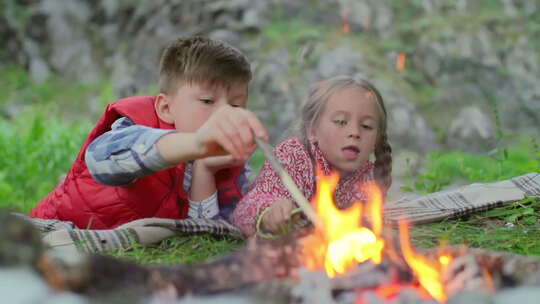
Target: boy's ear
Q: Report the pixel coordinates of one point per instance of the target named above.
(163, 109)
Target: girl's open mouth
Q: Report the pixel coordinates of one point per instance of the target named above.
(350, 152)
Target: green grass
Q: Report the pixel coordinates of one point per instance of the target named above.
(34, 152)
(514, 228)
(181, 250)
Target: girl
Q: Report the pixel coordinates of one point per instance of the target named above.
(343, 123)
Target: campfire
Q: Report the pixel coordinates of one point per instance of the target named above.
(343, 241)
(348, 256)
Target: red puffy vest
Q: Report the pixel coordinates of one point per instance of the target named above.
(89, 204)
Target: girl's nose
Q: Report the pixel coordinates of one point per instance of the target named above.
(354, 132)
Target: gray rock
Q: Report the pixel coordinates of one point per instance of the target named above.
(521, 295)
(471, 130)
(470, 297)
(34, 291)
(39, 70)
(368, 16)
(407, 127)
(341, 60)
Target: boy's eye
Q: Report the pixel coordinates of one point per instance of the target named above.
(207, 101)
(340, 122)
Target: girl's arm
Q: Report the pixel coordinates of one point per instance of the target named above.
(268, 188)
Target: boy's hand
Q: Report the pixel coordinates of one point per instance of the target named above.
(276, 218)
(230, 130)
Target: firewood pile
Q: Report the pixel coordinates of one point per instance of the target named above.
(266, 271)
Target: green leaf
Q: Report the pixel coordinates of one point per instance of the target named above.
(499, 212)
(407, 188)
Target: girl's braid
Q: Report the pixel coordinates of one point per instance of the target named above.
(383, 163)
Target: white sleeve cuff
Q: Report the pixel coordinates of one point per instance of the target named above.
(207, 208)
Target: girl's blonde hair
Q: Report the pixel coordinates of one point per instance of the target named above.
(315, 104)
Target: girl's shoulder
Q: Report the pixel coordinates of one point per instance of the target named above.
(291, 147)
(295, 158)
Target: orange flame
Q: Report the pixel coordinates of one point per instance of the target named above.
(400, 61)
(343, 242)
(390, 291)
(428, 272)
(345, 27)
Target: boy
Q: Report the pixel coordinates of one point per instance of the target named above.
(135, 162)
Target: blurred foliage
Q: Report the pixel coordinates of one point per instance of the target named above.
(35, 150)
(41, 134)
(57, 96)
(443, 168)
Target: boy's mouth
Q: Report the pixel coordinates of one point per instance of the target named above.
(350, 152)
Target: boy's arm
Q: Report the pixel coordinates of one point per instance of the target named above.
(125, 153)
(228, 131)
(203, 201)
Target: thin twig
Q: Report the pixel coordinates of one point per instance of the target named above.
(296, 194)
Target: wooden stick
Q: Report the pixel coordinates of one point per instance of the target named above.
(296, 194)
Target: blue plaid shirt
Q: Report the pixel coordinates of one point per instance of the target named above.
(128, 152)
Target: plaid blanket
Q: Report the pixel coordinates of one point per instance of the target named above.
(462, 201)
(65, 236)
(423, 209)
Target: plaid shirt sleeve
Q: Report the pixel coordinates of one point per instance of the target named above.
(125, 153)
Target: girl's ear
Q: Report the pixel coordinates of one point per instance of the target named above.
(163, 108)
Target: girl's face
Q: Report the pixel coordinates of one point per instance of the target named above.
(347, 129)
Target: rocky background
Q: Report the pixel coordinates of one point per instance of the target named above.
(471, 71)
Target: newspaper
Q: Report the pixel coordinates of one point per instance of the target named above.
(462, 201)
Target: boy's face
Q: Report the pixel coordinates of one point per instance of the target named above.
(193, 103)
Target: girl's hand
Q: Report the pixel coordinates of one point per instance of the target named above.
(276, 218)
(230, 130)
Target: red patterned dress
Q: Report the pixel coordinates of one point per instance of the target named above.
(295, 158)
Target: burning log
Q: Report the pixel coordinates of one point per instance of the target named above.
(265, 269)
(97, 274)
(274, 269)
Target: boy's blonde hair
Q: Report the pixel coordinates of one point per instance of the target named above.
(201, 60)
(315, 105)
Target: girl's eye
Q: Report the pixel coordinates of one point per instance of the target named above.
(207, 101)
(340, 122)
(367, 127)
